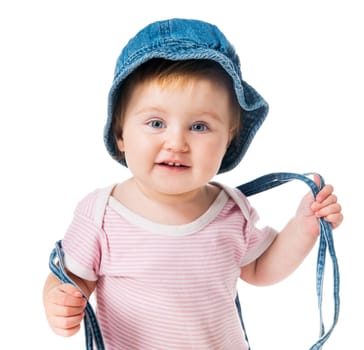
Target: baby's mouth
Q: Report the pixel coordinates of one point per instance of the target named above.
(173, 164)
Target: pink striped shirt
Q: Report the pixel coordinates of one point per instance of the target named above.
(162, 286)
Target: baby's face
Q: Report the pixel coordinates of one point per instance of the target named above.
(175, 135)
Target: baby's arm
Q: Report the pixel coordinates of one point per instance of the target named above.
(296, 240)
(64, 304)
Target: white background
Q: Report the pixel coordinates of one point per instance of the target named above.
(56, 66)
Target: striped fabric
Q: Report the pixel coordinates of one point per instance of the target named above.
(162, 286)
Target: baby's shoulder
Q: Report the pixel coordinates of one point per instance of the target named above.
(237, 196)
(93, 204)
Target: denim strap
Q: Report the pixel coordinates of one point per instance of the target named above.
(92, 328)
(272, 180)
(263, 183)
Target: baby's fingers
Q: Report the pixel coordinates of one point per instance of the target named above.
(334, 219)
(324, 202)
(331, 213)
(66, 326)
(62, 297)
(69, 309)
(70, 295)
(65, 306)
(325, 192)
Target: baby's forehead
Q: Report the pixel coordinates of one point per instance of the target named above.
(190, 87)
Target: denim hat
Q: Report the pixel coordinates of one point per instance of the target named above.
(184, 39)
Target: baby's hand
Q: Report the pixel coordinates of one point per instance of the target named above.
(327, 206)
(64, 307)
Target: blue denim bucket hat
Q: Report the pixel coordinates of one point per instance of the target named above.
(185, 39)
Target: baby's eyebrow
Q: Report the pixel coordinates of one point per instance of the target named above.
(210, 115)
(150, 110)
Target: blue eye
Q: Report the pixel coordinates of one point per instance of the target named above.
(156, 124)
(199, 127)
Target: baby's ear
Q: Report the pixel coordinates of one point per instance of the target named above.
(120, 144)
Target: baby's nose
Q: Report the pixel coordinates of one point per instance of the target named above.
(176, 141)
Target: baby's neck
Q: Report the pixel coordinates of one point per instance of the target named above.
(166, 209)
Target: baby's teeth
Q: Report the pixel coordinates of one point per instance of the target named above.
(177, 164)
(170, 163)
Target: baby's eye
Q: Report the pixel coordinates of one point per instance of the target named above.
(199, 127)
(156, 124)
